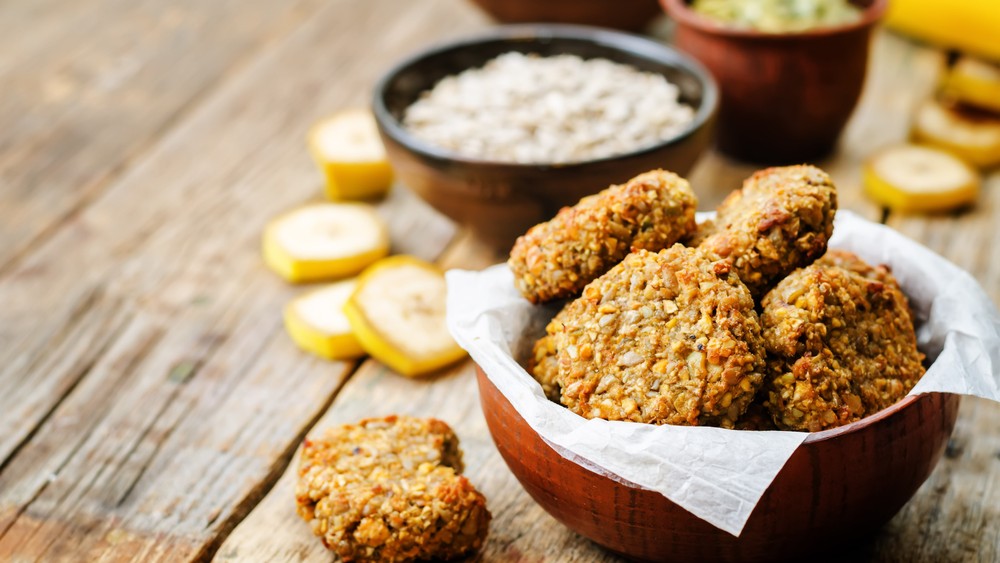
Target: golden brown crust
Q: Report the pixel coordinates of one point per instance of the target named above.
(853, 263)
(780, 220)
(663, 338)
(544, 362)
(840, 344)
(388, 489)
(558, 258)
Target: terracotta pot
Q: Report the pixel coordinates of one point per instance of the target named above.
(785, 98)
(840, 485)
(500, 201)
(619, 14)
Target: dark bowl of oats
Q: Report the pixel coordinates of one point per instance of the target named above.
(501, 130)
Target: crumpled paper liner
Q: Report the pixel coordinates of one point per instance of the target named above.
(717, 474)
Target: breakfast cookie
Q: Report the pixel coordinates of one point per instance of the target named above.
(389, 489)
(840, 344)
(780, 220)
(853, 263)
(544, 362)
(663, 338)
(556, 259)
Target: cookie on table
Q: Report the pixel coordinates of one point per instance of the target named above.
(390, 489)
(556, 259)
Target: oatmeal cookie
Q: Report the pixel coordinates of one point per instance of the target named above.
(558, 258)
(780, 220)
(389, 489)
(663, 338)
(840, 344)
(853, 263)
(544, 362)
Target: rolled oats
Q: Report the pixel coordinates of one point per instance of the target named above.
(558, 109)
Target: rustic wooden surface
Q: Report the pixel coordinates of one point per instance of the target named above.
(150, 402)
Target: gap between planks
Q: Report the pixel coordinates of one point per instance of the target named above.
(143, 244)
(135, 145)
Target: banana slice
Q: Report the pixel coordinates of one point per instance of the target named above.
(917, 178)
(397, 312)
(976, 82)
(324, 241)
(972, 136)
(317, 323)
(348, 151)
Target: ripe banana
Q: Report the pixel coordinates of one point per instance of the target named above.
(317, 323)
(975, 82)
(324, 241)
(397, 312)
(349, 153)
(918, 178)
(972, 136)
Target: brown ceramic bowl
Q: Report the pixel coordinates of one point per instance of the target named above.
(839, 486)
(500, 201)
(785, 98)
(619, 14)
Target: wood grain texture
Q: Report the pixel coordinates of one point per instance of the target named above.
(149, 399)
(88, 86)
(521, 530)
(151, 395)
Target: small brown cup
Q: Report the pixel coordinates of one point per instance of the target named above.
(785, 98)
(839, 485)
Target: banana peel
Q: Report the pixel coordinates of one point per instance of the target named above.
(397, 312)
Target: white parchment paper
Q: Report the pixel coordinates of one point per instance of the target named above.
(717, 474)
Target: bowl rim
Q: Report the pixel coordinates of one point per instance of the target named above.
(812, 437)
(614, 40)
(680, 12)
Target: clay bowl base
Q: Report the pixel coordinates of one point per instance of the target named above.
(838, 487)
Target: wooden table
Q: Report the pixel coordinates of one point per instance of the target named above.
(150, 401)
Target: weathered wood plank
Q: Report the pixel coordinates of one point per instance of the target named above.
(158, 446)
(521, 530)
(89, 85)
(148, 397)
